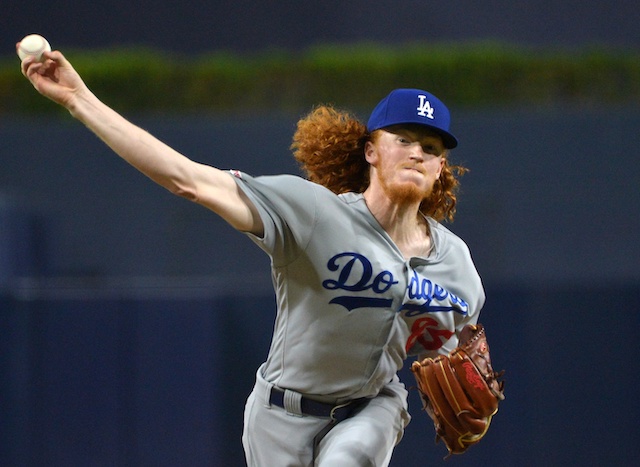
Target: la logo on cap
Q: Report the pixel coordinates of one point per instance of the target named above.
(424, 107)
(413, 106)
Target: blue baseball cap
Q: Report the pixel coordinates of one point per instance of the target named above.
(403, 106)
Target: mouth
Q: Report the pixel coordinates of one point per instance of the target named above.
(415, 169)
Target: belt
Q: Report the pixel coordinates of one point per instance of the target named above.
(336, 413)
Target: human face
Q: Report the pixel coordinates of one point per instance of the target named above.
(406, 161)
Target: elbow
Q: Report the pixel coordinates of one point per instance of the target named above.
(183, 192)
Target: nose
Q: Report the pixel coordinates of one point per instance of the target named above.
(417, 153)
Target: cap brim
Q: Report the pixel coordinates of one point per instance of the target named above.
(448, 140)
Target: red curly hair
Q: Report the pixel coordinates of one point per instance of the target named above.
(329, 147)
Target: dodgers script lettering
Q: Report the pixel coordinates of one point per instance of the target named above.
(355, 274)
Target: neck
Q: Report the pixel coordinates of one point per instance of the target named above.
(392, 216)
(404, 223)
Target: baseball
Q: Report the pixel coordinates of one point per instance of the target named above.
(33, 44)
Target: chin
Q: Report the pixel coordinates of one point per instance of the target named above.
(406, 193)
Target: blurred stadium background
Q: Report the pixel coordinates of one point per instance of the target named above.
(131, 323)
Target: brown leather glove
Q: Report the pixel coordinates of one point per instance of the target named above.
(460, 391)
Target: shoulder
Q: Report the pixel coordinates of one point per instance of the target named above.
(445, 235)
(295, 188)
(269, 180)
(289, 197)
(448, 245)
(282, 181)
(285, 187)
(351, 198)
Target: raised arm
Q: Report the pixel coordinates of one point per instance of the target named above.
(56, 79)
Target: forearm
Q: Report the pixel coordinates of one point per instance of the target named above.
(143, 151)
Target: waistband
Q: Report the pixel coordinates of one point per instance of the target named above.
(298, 404)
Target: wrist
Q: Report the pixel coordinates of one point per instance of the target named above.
(81, 103)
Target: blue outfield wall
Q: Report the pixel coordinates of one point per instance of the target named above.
(113, 380)
(132, 322)
(550, 196)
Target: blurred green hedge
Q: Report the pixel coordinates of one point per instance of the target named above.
(348, 76)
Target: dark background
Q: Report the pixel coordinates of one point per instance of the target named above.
(245, 25)
(132, 322)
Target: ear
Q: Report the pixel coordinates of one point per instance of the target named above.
(370, 153)
(443, 161)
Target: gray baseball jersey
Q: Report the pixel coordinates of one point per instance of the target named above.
(350, 307)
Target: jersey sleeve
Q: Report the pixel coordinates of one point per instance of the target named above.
(287, 206)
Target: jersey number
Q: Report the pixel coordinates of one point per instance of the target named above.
(428, 326)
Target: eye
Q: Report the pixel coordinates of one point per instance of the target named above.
(432, 149)
(403, 140)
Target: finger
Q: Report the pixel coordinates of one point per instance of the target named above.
(59, 59)
(26, 64)
(49, 61)
(47, 55)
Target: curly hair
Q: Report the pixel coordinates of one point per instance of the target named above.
(328, 144)
(329, 147)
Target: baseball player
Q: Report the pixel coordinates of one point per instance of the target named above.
(364, 273)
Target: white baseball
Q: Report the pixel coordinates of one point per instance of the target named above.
(33, 45)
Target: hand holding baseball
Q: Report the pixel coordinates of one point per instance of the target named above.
(50, 72)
